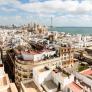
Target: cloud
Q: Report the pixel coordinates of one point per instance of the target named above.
(5, 9)
(63, 11)
(8, 1)
(71, 20)
(7, 6)
(52, 6)
(8, 20)
(17, 17)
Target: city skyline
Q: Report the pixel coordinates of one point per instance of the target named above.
(45, 45)
(63, 12)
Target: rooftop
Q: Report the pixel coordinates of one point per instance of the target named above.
(83, 78)
(61, 71)
(49, 85)
(29, 55)
(87, 56)
(30, 86)
(74, 87)
(33, 52)
(12, 88)
(6, 86)
(4, 80)
(90, 48)
(44, 69)
(87, 72)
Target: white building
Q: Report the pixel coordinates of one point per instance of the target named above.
(53, 77)
(37, 55)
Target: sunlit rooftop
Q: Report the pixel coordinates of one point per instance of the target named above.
(49, 85)
(30, 86)
(74, 87)
(4, 80)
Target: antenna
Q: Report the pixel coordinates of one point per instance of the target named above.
(51, 22)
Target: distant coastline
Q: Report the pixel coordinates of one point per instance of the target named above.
(73, 30)
(72, 26)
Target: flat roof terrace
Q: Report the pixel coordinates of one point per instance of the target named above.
(74, 87)
(4, 80)
(33, 52)
(87, 72)
(12, 88)
(30, 86)
(49, 85)
(87, 56)
(61, 71)
(44, 69)
(90, 48)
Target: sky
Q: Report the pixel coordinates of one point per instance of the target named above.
(63, 12)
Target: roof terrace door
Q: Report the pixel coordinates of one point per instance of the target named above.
(59, 87)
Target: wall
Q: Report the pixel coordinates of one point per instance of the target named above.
(2, 72)
(68, 80)
(39, 77)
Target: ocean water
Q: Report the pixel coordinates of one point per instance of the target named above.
(73, 30)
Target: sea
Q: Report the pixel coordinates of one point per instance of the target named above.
(73, 30)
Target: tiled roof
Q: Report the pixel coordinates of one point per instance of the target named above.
(74, 87)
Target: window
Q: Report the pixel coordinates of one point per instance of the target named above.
(24, 76)
(68, 90)
(65, 54)
(64, 58)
